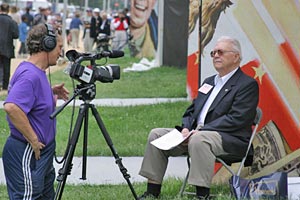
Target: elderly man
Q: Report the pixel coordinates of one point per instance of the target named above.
(220, 120)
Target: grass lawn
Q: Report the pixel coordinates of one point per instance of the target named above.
(170, 191)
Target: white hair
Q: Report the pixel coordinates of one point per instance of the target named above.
(234, 42)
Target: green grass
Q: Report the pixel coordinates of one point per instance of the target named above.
(170, 191)
(158, 82)
(128, 127)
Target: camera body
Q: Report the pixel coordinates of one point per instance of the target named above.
(92, 73)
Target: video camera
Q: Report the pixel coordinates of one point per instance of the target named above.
(92, 73)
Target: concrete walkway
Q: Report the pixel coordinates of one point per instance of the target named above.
(104, 170)
(120, 102)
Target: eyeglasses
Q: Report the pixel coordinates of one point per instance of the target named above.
(220, 52)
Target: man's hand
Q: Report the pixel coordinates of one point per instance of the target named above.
(37, 147)
(185, 132)
(61, 91)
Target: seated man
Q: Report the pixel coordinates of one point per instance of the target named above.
(220, 119)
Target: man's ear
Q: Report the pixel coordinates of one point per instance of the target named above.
(237, 58)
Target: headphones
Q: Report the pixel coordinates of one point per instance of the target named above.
(49, 41)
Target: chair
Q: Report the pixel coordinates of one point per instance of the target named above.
(227, 160)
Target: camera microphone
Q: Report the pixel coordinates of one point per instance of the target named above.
(112, 54)
(72, 55)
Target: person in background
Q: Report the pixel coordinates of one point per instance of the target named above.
(68, 23)
(103, 38)
(42, 16)
(105, 25)
(127, 15)
(57, 21)
(220, 122)
(29, 150)
(28, 16)
(15, 14)
(88, 40)
(120, 25)
(95, 25)
(8, 32)
(23, 31)
(75, 30)
(98, 18)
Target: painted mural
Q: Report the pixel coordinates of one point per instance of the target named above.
(143, 27)
(271, 54)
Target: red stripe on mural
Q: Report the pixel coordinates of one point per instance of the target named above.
(273, 106)
(193, 75)
(290, 56)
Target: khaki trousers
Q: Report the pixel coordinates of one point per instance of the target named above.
(203, 147)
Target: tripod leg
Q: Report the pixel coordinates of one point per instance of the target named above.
(84, 148)
(111, 146)
(67, 166)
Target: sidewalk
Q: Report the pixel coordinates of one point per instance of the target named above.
(104, 170)
(120, 102)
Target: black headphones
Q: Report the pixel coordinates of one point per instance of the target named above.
(49, 41)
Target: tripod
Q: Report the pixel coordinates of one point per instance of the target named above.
(86, 93)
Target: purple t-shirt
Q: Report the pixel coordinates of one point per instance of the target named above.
(29, 89)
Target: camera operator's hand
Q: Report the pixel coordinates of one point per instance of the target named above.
(37, 147)
(61, 91)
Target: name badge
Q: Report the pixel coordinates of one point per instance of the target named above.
(205, 88)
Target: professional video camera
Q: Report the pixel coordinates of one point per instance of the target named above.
(93, 72)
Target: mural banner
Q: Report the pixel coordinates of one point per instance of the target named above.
(271, 54)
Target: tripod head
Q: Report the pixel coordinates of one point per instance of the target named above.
(86, 93)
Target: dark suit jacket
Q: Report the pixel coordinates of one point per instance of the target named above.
(93, 28)
(231, 114)
(106, 28)
(9, 30)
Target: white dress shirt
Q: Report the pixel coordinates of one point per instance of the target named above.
(219, 83)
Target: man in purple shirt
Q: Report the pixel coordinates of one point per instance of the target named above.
(28, 152)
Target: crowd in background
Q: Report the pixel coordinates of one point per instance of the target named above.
(98, 26)
(97, 29)
(88, 25)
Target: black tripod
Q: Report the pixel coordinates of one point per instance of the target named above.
(86, 93)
